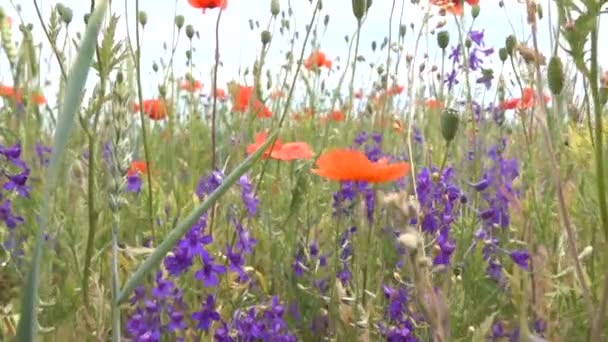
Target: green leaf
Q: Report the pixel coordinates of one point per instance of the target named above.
(154, 259)
(28, 324)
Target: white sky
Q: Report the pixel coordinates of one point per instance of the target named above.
(239, 45)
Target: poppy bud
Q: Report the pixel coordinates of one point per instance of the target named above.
(162, 90)
(374, 46)
(402, 31)
(86, 18)
(189, 31)
(555, 75)
(179, 21)
(325, 20)
(510, 43)
(475, 11)
(119, 77)
(539, 10)
(155, 67)
(60, 8)
(266, 37)
(503, 54)
(443, 39)
(188, 54)
(359, 8)
(468, 43)
(142, 17)
(275, 7)
(449, 124)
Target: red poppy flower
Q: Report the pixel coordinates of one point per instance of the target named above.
(191, 86)
(433, 104)
(397, 89)
(17, 95)
(336, 115)
(352, 165)
(242, 97)
(137, 167)
(286, 152)
(220, 94)
(318, 60)
(208, 4)
(527, 100)
(453, 6)
(155, 109)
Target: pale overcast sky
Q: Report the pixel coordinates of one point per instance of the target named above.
(239, 45)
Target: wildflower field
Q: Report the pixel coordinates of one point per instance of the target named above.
(459, 194)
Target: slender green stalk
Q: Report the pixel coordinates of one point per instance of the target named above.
(214, 90)
(351, 87)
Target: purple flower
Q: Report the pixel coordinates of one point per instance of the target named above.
(521, 258)
(248, 197)
(6, 215)
(134, 183)
(42, 154)
(209, 272)
(207, 314)
(477, 37)
(236, 263)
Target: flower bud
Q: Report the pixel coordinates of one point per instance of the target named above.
(449, 124)
(275, 7)
(443, 39)
(120, 77)
(60, 7)
(179, 21)
(503, 54)
(155, 67)
(402, 31)
(360, 7)
(266, 37)
(475, 11)
(142, 17)
(539, 11)
(510, 43)
(555, 75)
(468, 43)
(189, 31)
(86, 18)
(374, 46)
(66, 15)
(188, 55)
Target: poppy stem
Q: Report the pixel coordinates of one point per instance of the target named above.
(214, 109)
(445, 156)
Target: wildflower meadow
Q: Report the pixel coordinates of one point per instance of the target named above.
(444, 181)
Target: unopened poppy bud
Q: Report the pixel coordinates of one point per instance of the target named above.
(60, 7)
(555, 75)
(359, 8)
(67, 15)
(449, 124)
(86, 18)
(142, 17)
(189, 31)
(503, 54)
(188, 54)
(374, 46)
(325, 21)
(119, 77)
(475, 11)
(539, 11)
(468, 43)
(266, 37)
(275, 7)
(155, 67)
(162, 90)
(443, 39)
(179, 21)
(402, 31)
(510, 43)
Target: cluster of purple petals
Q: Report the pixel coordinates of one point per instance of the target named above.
(397, 325)
(14, 176)
(499, 333)
(440, 201)
(476, 54)
(496, 192)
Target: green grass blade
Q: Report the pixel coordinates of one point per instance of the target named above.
(173, 237)
(28, 324)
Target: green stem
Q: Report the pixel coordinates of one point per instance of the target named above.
(351, 87)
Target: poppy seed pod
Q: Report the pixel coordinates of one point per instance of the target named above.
(475, 11)
(266, 37)
(189, 31)
(510, 43)
(555, 75)
(179, 21)
(275, 7)
(443, 39)
(503, 54)
(360, 7)
(142, 17)
(66, 15)
(449, 124)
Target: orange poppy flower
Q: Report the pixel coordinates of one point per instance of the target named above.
(155, 109)
(208, 4)
(191, 86)
(137, 166)
(527, 101)
(317, 59)
(220, 94)
(397, 89)
(336, 115)
(286, 152)
(433, 104)
(17, 95)
(453, 6)
(242, 96)
(352, 165)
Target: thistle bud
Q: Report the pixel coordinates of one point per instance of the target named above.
(179, 21)
(555, 75)
(475, 11)
(443, 39)
(449, 124)
(189, 31)
(402, 31)
(503, 54)
(266, 37)
(510, 43)
(66, 15)
(275, 7)
(142, 17)
(359, 8)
